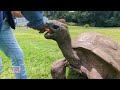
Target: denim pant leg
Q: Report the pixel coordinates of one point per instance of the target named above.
(0, 65)
(11, 48)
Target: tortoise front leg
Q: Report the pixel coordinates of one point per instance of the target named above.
(58, 69)
(93, 74)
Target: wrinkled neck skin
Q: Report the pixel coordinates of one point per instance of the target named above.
(66, 48)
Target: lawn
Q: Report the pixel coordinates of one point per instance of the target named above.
(40, 53)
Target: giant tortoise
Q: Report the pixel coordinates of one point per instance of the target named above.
(91, 54)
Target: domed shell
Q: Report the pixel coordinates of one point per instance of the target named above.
(104, 47)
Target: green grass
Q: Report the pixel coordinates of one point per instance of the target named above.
(40, 53)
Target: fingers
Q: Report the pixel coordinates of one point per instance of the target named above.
(41, 31)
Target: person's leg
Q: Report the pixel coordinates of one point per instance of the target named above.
(0, 65)
(11, 48)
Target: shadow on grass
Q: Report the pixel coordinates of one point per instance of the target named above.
(75, 75)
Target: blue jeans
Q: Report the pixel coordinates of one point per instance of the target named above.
(0, 65)
(11, 48)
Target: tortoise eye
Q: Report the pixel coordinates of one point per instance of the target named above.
(55, 26)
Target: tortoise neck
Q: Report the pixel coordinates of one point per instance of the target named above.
(66, 48)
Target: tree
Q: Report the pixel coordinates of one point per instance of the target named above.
(93, 18)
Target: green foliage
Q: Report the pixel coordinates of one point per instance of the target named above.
(93, 18)
(86, 25)
(71, 23)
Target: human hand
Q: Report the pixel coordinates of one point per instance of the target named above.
(40, 29)
(16, 13)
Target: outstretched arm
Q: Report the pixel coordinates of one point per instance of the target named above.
(35, 19)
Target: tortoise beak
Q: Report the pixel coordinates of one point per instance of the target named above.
(50, 34)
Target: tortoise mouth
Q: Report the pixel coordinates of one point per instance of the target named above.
(55, 30)
(50, 34)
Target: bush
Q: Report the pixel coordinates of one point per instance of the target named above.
(86, 25)
(71, 23)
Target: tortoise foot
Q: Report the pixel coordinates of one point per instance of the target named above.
(58, 69)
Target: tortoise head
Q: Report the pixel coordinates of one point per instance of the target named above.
(58, 30)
